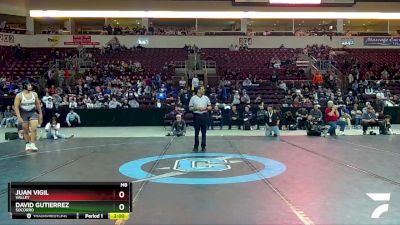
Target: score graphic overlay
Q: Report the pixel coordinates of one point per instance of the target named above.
(51, 200)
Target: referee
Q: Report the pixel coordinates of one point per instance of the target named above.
(200, 105)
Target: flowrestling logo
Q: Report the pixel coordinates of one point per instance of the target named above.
(202, 169)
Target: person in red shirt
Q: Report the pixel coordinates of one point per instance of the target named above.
(318, 79)
(332, 119)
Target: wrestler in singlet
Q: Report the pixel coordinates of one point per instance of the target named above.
(29, 113)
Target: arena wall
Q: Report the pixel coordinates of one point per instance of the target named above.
(63, 41)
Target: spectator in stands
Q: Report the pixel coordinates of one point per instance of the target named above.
(379, 104)
(133, 103)
(18, 52)
(48, 108)
(385, 126)
(356, 115)
(332, 119)
(247, 118)
(316, 113)
(369, 119)
(195, 81)
(288, 121)
(72, 103)
(73, 119)
(245, 97)
(274, 78)
(113, 104)
(345, 115)
(318, 79)
(369, 90)
(236, 98)
(302, 115)
(216, 117)
(247, 83)
(260, 118)
(282, 85)
(52, 129)
(182, 82)
(9, 117)
(272, 124)
(234, 117)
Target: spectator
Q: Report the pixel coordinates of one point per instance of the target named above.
(379, 104)
(247, 118)
(356, 115)
(216, 117)
(236, 98)
(332, 119)
(53, 130)
(316, 113)
(178, 126)
(245, 98)
(369, 119)
(113, 104)
(345, 115)
(274, 78)
(133, 103)
(302, 115)
(318, 79)
(234, 117)
(9, 117)
(260, 116)
(73, 119)
(288, 121)
(247, 83)
(182, 82)
(272, 119)
(385, 126)
(195, 82)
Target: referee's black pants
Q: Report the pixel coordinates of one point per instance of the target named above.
(200, 123)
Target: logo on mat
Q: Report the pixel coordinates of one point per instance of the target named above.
(202, 168)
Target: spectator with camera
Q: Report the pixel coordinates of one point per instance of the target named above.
(178, 126)
(332, 119)
(302, 115)
(288, 121)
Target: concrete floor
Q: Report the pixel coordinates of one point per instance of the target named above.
(322, 181)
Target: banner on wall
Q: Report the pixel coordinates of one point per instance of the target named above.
(347, 41)
(81, 40)
(7, 38)
(245, 41)
(55, 40)
(381, 41)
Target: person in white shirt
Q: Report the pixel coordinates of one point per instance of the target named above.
(133, 103)
(182, 83)
(246, 83)
(200, 105)
(53, 130)
(73, 104)
(195, 81)
(113, 104)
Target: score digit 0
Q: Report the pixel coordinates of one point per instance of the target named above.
(121, 207)
(121, 194)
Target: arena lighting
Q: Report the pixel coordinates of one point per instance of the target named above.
(295, 2)
(214, 14)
